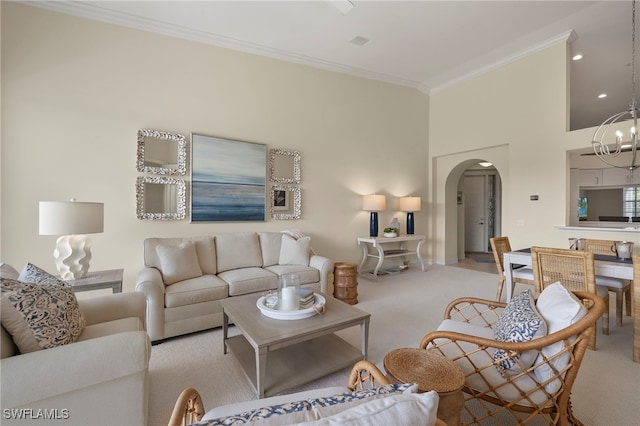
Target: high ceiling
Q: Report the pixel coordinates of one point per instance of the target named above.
(428, 45)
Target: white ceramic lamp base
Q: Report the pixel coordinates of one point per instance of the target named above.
(72, 256)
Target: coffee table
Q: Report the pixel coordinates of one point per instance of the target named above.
(276, 355)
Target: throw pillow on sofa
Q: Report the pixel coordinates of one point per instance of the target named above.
(294, 252)
(178, 263)
(39, 316)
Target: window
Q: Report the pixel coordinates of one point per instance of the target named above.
(631, 201)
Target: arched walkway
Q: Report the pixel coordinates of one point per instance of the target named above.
(446, 212)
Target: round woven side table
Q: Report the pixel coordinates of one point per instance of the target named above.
(345, 282)
(431, 372)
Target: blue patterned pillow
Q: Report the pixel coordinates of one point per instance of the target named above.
(519, 322)
(303, 411)
(32, 274)
(298, 411)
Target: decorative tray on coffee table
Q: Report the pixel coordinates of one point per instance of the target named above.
(289, 315)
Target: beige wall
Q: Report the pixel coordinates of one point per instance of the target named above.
(514, 117)
(75, 92)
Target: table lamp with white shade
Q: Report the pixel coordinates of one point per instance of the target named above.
(410, 205)
(374, 203)
(71, 220)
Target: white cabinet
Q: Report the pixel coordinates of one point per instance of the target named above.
(620, 177)
(590, 177)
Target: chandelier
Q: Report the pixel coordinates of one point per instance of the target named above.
(605, 152)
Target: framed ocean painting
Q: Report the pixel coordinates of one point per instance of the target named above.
(228, 180)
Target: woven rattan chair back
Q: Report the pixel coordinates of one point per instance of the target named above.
(623, 289)
(500, 246)
(636, 308)
(188, 408)
(573, 268)
(598, 246)
(510, 400)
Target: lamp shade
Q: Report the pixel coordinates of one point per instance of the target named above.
(374, 203)
(70, 218)
(410, 204)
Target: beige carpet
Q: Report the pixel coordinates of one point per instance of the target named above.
(403, 308)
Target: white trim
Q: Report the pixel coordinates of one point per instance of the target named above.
(566, 37)
(91, 11)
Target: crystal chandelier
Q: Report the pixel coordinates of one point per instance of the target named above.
(608, 153)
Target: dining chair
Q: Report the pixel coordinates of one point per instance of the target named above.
(524, 275)
(575, 270)
(622, 288)
(635, 313)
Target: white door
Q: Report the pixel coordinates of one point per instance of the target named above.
(475, 211)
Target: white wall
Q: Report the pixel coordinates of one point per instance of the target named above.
(75, 92)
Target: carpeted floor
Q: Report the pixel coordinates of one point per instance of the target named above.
(403, 308)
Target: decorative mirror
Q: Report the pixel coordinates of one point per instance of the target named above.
(161, 153)
(285, 202)
(160, 198)
(284, 165)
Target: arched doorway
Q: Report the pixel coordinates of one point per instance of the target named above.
(448, 229)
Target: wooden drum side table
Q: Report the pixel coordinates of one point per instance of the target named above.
(431, 372)
(345, 282)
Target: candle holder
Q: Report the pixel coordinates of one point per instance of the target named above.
(289, 292)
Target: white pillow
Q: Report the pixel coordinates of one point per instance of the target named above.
(518, 322)
(407, 408)
(294, 252)
(560, 308)
(178, 263)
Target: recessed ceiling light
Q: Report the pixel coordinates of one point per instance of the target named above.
(577, 57)
(602, 95)
(485, 164)
(359, 41)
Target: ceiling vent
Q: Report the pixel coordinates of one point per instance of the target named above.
(359, 41)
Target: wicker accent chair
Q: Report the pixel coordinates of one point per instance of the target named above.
(190, 409)
(491, 398)
(636, 308)
(575, 269)
(500, 246)
(622, 288)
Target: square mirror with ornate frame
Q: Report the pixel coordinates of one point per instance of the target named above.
(161, 153)
(285, 202)
(160, 198)
(284, 165)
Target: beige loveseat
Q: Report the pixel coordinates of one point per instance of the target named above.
(101, 379)
(184, 279)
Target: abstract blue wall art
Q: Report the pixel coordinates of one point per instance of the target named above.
(228, 180)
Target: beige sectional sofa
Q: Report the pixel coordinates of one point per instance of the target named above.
(184, 279)
(100, 379)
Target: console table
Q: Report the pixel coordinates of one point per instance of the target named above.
(373, 247)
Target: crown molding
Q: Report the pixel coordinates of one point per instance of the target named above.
(91, 11)
(565, 37)
(97, 13)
